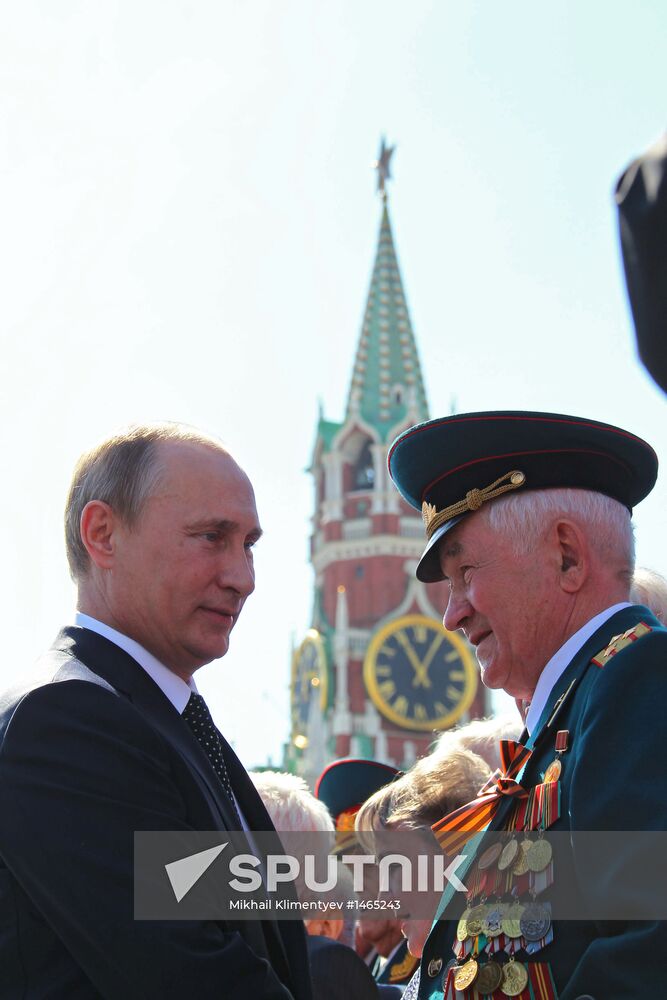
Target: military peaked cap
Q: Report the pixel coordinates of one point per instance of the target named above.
(450, 467)
(345, 784)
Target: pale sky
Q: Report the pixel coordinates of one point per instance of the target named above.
(188, 228)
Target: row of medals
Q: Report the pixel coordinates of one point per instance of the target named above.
(529, 922)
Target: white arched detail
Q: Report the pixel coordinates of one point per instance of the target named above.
(349, 438)
(363, 548)
(415, 593)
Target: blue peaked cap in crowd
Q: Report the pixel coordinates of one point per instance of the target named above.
(450, 467)
(345, 784)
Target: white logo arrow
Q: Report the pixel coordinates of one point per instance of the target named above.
(185, 872)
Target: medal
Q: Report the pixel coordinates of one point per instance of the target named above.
(511, 921)
(515, 979)
(492, 922)
(434, 967)
(489, 978)
(552, 773)
(462, 926)
(554, 769)
(539, 855)
(535, 921)
(475, 918)
(520, 866)
(490, 856)
(466, 974)
(508, 854)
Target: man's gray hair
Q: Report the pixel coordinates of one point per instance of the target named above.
(650, 589)
(481, 736)
(290, 803)
(522, 518)
(122, 471)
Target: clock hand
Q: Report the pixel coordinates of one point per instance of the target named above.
(432, 650)
(421, 676)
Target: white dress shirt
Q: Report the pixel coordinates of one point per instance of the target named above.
(172, 686)
(561, 660)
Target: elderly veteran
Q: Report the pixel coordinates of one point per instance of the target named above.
(528, 517)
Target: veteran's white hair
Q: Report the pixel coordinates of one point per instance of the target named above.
(523, 517)
(650, 589)
(481, 736)
(290, 803)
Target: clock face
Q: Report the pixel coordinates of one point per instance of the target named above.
(309, 679)
(419, 675)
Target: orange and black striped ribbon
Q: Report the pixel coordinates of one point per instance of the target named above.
(454, 830)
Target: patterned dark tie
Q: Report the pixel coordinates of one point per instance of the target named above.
(198, 718)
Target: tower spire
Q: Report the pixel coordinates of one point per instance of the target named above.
(387, 383)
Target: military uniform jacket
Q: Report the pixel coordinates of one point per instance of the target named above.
(613, 777)
(399, 967)
(89, 755)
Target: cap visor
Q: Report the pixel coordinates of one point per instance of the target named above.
(428, 568)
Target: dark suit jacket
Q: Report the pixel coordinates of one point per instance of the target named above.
(613, 778)
(88, 755)
(339, 974)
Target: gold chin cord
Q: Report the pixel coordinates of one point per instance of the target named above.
(473, 500)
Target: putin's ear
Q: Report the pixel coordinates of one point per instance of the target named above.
(573, 556)
(97, 527)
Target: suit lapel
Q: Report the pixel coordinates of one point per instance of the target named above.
(124, 674)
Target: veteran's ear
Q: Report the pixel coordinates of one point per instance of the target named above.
(97, 527)
(573, 555)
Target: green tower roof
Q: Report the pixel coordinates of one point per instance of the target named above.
(387, 379)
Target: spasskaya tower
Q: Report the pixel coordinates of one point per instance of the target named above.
(376, 675)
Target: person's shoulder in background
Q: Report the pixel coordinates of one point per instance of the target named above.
(339, 974)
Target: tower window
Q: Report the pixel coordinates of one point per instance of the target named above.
(398, 394)
(364, 471)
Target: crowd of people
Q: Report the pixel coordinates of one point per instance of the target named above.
(528, 519)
